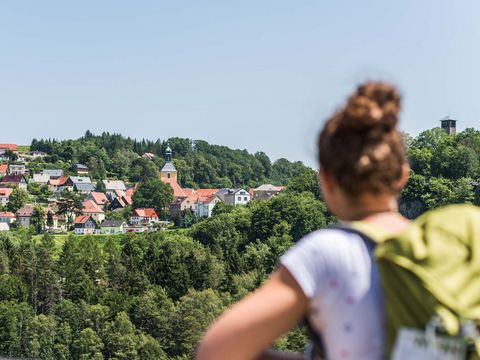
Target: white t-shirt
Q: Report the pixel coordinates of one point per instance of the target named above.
(337, 272)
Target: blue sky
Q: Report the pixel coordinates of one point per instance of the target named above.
(260, 75)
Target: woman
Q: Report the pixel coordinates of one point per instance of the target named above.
(330, 276)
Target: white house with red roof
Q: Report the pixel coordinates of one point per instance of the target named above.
(5, 195)
(204, 206)
(7, 217)
(8, 147)
(91, 208)
(143, 216)
(24, 215)
(84, 225)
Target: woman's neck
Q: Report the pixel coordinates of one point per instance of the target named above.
(368, 206)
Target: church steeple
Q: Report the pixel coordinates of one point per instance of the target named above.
(168, 172)
(168, 154)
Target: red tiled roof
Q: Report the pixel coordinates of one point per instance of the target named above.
(25, 211)
(12, 179)
(62, 180)
(128, 200)
(82, 219)
(130, 191)
(177, 190)
(12, 147)
(188, 192)
(99, 197)
(7, 214)
(5, 192)
(148, 212)
(3, 168)
(90, 206)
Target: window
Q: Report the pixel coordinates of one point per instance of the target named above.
(244, 198)
(168, 175)
(239, 198)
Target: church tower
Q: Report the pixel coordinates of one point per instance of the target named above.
(449, 125)
(168, 172)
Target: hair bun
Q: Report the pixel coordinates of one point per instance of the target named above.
(373, 107)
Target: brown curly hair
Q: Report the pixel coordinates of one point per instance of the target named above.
(360, 145)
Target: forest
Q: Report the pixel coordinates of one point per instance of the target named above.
(151, 295)
(199, 164)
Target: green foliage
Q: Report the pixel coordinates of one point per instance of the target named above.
(18, 198)
(153, 193)
(199, 164)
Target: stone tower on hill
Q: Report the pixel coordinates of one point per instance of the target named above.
(449, 125)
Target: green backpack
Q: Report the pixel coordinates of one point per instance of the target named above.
(431, 279)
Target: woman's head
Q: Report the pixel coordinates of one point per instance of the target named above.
(360, 147)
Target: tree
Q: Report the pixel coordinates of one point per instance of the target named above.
(120, 340)
(38, 219)
(153, 193)
(70, 203)
(18, 198)
(194, 313)
(307, 180)
(11, 156)
(88, 346)
(41, 337)
(143, 169)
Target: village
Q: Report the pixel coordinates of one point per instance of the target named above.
(76, 203)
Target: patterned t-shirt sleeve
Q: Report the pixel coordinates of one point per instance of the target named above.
(307, 262)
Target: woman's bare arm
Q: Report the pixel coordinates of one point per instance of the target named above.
(246, 330)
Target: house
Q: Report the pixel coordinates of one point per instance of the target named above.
(114, 188)
(5, 195)
(90, 208)
(41, 179)
(48, 212)
(81, 169)
(84, 188)
(4, 226)
(236, 197)
(58, 184)
(14, 180)
(82, 184)
(24, 215)
(84, 225)
(190, 199)
(113, 227)
(8, 147)
(120, 202)
(143, 216)
(266, 191)
(17, 169)
(7, 217)
(37, 154)
(148, 155)
(204, 207)
(53, 173)
(3, 170)
(136, 228)
(98, 197)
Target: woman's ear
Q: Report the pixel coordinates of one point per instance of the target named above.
(325, 180)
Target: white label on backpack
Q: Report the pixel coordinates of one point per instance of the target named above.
(414, 344)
